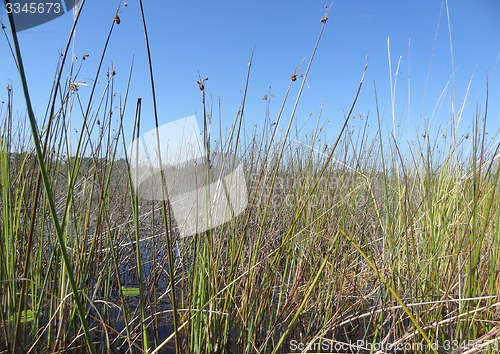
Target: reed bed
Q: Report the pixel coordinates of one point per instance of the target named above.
(363, 245)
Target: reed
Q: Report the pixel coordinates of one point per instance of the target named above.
(366, 239)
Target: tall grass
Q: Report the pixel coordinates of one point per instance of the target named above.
(356, 245)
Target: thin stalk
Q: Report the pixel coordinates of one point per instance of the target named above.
(165, 202)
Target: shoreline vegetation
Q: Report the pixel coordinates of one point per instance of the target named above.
(361, 245)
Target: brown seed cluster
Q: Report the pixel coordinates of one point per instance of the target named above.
(116, 19)
(201, 84)
(293, 77)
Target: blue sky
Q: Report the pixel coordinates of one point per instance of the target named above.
(216, 39)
